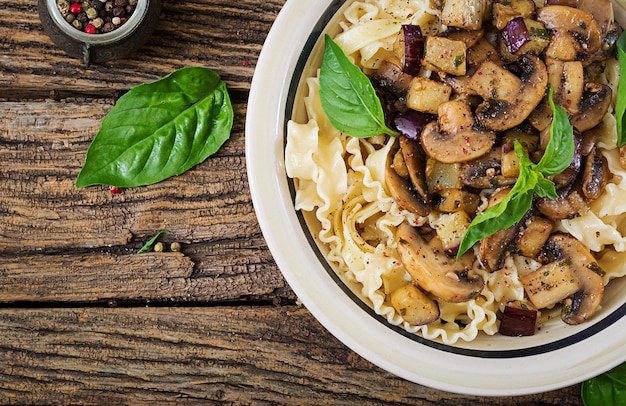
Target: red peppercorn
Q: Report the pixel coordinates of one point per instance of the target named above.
(76, 8)
(115, 189)
(90, 29)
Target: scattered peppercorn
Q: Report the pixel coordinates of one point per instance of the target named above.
(175, 247)
(159, 247)
(115, 189)
(97, 16)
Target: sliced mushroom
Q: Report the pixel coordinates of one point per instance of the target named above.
(494, 248)
(402, 189)
(415, 161)
(450, 279)
(593, 106)
(508, 99)
(485, 172)
(568, 22)
(566, 206)
(533, 234)
(453, 138)
(595, 175)
(584, 303)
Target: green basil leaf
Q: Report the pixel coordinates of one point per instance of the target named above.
(500, 216)
(348, 97)
(160, 129)
(560, 149)
(606, 389)
(151, 242)
(620, 102)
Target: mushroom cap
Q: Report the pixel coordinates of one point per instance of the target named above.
(402, 190)
(450, 279)
(509, 100)
(582, 27)
(584, 303)
(454, 137)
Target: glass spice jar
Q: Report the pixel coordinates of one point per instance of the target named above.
(97, 46)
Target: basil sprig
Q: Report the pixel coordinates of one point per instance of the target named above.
(608, 388)
(348, 97)
(620, 101)
(160, 129)
(532, 179)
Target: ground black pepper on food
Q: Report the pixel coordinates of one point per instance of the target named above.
(97, 16)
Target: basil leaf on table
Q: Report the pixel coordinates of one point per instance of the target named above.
(620, 102)
(556, 158)
(348, 97)
(608, 388)
(160, 129)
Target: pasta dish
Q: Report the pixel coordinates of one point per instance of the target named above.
(392, 210)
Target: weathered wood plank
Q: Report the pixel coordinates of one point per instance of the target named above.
(59, 243)
(200, 32)
(244, 355)
(43, 148)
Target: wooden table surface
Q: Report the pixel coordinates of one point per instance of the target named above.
(83, 318)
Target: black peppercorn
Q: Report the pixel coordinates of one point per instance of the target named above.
(82, 17)
(120, 3)
(119, 12)
(108, 27)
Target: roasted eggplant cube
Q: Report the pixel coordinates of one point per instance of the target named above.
(518, 321)
(445, 55)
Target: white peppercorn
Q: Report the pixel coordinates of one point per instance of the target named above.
(175, 247)
(159, 247)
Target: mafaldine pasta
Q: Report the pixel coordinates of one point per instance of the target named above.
(341, 181)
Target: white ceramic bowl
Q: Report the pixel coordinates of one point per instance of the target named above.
(555, 357)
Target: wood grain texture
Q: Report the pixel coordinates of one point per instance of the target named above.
(217, 355)
(199, 33)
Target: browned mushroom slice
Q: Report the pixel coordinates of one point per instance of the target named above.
(551, 283)
(567, 206)
(450, 279)
(414, 306)
(415, 161)
(494, 248)
(533, 234)
(593, 106)
(391, 76)
(508, 99)
(578, 26)
(584, 303)
(595, 175)
(453, 138)
(401, 189)
(485, 172)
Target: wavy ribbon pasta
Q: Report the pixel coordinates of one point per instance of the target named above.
(341, 180)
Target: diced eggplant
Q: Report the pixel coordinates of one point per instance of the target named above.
(441, 176)
(468, 14)
(518, 319)
(426, 95)
(445, 55)
(414, 306)
(451, 200)
(450, 230)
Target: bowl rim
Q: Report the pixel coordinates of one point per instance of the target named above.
(282, 56)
